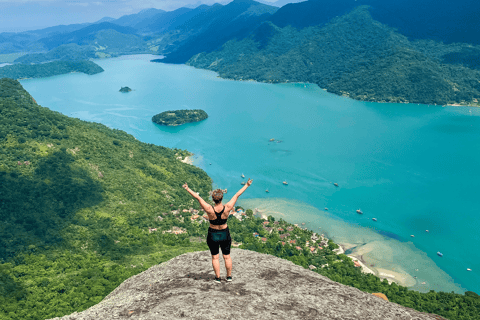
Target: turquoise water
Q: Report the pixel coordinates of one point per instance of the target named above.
(413, 167)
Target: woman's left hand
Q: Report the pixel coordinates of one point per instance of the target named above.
(185, 186)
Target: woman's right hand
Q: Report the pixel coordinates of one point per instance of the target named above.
(249, 182)
(185, 186)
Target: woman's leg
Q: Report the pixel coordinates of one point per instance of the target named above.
(228, 264)
(216, 265)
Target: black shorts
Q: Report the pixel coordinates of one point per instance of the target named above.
(219, 238)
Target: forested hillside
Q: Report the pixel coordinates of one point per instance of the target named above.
(218, 25)
(76, 202)
(353, 55)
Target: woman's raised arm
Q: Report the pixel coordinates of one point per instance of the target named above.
(200, 200)
(231, 204)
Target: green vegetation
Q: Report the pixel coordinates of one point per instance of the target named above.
(355, 56)
(10, 57)
(179, 117)
(76, 202)
(84, 207)
(65, 52)
(22, 71)
(125, 89)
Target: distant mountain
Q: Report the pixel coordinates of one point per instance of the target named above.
(105, 19)
(132, 20)
(441, 20)
(66, 52)
(352, 55)
(161, 22)
(83, 36)
(281, 3)
(218, 24)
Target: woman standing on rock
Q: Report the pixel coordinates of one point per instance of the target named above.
(218, 233)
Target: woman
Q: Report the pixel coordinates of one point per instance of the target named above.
(218, 233)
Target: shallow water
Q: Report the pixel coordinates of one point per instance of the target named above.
(413, 167)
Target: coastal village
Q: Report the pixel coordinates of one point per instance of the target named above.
(316, 242)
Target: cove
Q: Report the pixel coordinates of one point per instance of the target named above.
(412, 167)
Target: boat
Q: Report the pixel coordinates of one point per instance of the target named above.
(326, 209)
(243, 176)
(359, 211)
(374, 219)
(335, 184)
(468, 269)
(285, 182)
(426, 230)
(440, 254)
(271, 140)
(243, 183)
(267, 191)
(412, 236)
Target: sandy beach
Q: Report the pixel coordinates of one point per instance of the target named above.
(188, 160)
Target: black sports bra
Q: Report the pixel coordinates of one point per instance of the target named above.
(218, 221)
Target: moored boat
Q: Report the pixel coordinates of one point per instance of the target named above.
(335, 184)
(374, 219)
(359, 211)
(285, 182)
(440, 254)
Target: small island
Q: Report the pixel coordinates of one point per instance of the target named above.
(125, 89)
(179, 117)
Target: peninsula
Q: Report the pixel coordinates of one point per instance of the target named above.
(179, 117)
(25, 71)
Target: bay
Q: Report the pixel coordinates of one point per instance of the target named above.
(412, 167)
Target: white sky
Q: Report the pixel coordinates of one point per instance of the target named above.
(21, 15)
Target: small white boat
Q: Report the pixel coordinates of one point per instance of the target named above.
(374, 219)
(267, 191)
(468, 269)
(285, 182)
(359, 211)
(326, 209)
(412, 236)
(335, 184)
(243, 183)
(426, 231)
(440, 254)
(243, 176)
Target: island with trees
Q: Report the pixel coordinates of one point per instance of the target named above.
(179, 117)
(25, 71)
(125, 89)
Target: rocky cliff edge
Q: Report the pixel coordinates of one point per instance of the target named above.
(263, 287)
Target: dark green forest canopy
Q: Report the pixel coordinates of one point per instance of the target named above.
(179, 117)
(84, 207)
(23, 71)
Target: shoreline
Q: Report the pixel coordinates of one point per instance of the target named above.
(386, 258)
(402, 279)
(188, 160)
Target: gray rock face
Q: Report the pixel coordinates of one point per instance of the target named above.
(263, 287)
